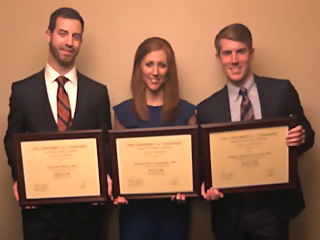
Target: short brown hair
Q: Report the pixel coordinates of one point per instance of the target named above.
(171, 85)
(236, 32)
(64, 12)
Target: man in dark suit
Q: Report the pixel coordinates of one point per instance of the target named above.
(260, 215)
(59, 98)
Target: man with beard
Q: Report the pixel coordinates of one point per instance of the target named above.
(59, 98)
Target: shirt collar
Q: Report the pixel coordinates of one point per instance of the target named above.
(234, 90)
(51, 75)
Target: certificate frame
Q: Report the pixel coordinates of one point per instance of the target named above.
(45, 136)
(154, 132)
(207, 129)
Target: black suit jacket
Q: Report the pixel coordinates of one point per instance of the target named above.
(278, 98)
(30, 111)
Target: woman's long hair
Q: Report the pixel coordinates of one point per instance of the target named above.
(171, 85)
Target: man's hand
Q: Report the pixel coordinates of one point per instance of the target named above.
(15, 190)
(16, 194)
(109, 183)
(296, 136)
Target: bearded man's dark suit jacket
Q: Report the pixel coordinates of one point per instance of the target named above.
(30, 112)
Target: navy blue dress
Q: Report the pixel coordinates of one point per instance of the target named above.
(153, 219)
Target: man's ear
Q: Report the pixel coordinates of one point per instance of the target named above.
(218, 58)
(252, 54)
(48, 35)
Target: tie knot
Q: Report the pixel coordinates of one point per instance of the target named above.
(62, 80)
(243, 92)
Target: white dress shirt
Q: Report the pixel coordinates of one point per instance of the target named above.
(52, 88)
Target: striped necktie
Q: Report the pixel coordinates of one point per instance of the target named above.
(246, 109)
(247, 114)
(63, 105)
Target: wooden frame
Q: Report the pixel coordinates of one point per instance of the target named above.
(234, 126)
(166, 131)
(26, 137)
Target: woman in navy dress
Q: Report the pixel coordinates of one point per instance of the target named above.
(155, 103)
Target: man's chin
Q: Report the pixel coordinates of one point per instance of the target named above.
(235, 78)
(66, 62)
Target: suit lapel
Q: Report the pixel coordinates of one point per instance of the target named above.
(261, 86)
(224, 107)
(80, 104)
(42, 95)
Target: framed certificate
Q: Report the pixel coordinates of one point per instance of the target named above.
(155, 162)
(60, 167)
(249, 156)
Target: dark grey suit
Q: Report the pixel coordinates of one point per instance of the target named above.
(278, 98)
(30, 111)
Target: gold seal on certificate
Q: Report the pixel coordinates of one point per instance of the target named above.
(158, 162)
(60, 167)
(249, 156)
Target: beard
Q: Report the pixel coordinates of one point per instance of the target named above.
(55, 53)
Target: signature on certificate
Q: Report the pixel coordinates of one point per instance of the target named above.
(83, 185)
(40, 187)
(135, 182)
(175, 181)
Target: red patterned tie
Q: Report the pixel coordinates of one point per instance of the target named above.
(63, 105)
(246, 110)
